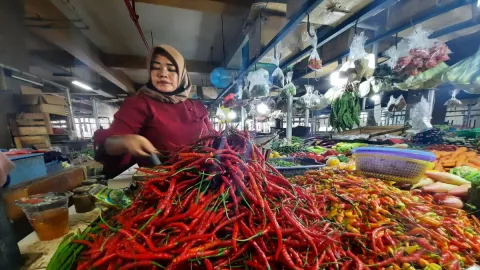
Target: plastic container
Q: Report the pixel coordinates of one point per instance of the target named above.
(305, 164)
(47, 213)
(82, 200)
(27, 167)
(54, 166)
(469, 133)
(393, 164)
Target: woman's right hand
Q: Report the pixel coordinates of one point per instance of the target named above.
(135, 145)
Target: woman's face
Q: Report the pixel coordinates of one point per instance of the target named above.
(164, 74)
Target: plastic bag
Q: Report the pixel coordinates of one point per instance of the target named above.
(398, 55)
(319, 101)
(309, 100)
(453, 101)
(333, 93)
(424, 53)
(278, 78)
(357, 48)
(363, 63)
(465, 75)
(364, 88)
(400, 103)
(314, 61)
(417, 53)
(391, 104)
(430, 78)
(289, 88)
(421, 115)
(239, 90)
(259, 85)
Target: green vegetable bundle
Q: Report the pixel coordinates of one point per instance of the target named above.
(282, 163)
(345, 111)
(430, 78)
(68, 251)
(465, 74)
(347, 147)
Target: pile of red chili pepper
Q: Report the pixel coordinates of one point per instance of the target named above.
(393, 228)
(217, 205)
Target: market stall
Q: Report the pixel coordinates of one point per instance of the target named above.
(218, 203)
(379, 187)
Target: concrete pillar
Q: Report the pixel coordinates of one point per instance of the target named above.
(289, 118)
(13, 52)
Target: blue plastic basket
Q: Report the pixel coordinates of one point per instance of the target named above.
(27, 167)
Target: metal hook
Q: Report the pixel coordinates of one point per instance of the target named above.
(308, 26)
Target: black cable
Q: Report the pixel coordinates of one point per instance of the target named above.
(223, 44)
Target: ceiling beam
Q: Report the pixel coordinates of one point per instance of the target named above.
(74, 42)
(140, 62)
(226, 7)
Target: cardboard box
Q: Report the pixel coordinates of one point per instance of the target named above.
(34, 96)
(48, 108)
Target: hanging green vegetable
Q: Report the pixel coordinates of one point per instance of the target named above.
(345, 113)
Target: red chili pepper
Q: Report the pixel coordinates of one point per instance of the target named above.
(134, 265)
(145, 256)
(261, 254)
(300, 228)
(84, 242)
(104, 260)
(235, 235)
(288, 260)
(425, 244)
(360, 264)
(278, 231)
(208, 264)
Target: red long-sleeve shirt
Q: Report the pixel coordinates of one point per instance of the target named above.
(167, 126)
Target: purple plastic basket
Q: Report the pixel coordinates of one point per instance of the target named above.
(400, 165)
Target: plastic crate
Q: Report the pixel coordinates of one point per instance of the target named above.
(27, 167)
(468, 133)
(306, 164)
(54, 166)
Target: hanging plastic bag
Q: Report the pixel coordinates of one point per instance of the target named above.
(391, 104)
(314, 61)
(465, 75)
(289, 88)
(424, 53)
(319, 101)
(333, 93)
(421, 116)
(364, 88)
(399, 56)
(278, 78)
(453, 101)
(400, 103)
(363, 63)
(309, 100)
(259, 85)
(357, 47)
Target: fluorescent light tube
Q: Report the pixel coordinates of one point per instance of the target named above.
(82, 85)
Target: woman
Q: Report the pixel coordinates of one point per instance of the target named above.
(159, 118)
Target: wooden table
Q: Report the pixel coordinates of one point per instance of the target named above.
(38, 253)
